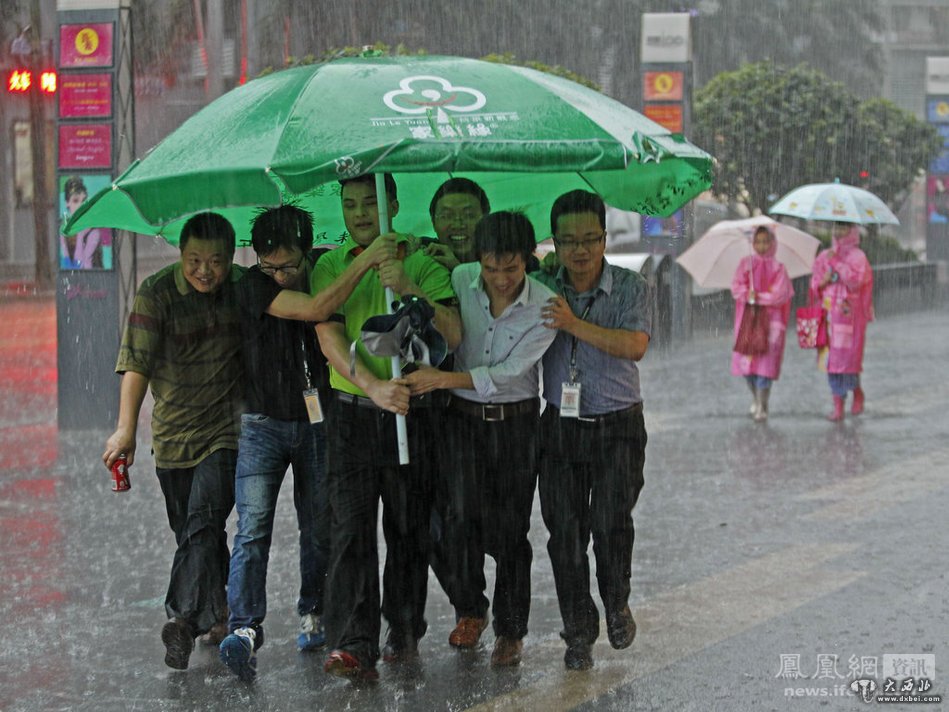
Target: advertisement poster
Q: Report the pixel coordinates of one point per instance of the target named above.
(85, 146)
(937, 199)
(662, 86)
(669, 116)
(937, 110)
(671, 226)
(90, 248)
(85, 96)
(85, 45)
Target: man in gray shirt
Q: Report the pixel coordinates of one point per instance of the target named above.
(593, 438)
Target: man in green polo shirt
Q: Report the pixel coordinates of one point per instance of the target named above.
(183, 340)
(363, 455)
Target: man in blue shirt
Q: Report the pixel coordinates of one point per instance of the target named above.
(593, 438)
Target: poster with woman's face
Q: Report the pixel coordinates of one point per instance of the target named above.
(90, 248)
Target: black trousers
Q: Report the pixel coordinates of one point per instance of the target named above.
(590, 478)
(362, 467)
(484, 498)
(198, 501)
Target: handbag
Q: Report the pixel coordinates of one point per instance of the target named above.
(811, 327)
(752, 338)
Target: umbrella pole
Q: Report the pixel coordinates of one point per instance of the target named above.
(401, 430)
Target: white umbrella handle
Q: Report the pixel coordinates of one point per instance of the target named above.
(401, 430)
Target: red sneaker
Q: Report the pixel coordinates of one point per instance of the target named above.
(343, 664)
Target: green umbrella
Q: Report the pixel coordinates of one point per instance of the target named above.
(524, 135)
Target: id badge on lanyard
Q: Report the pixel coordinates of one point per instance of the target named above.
(311, 396)
(570, 391)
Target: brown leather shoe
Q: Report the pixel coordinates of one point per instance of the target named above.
(507, 652)
(468, 632)
(216, 635)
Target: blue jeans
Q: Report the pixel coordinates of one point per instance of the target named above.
(198, 501)
(267, 447)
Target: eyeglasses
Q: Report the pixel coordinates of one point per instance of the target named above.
(287, 270)
(468, 215)
(573, 245)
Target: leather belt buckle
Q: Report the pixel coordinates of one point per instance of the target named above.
(492, 413)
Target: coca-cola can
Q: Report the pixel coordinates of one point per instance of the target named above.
(120, 475)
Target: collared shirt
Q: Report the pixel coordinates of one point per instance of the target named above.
(502, 354)
(608, 383)
(187, 344)
(369, 299)
(278, 354)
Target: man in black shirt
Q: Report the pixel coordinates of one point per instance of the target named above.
(286, 384)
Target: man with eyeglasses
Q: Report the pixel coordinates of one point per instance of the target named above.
(182, 341)
(285, 392)
(593, 438)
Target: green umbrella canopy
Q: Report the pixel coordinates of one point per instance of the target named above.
(525, 136)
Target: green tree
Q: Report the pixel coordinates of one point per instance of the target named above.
(772, 128)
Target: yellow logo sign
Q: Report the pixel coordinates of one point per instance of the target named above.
(942, 109)
(663, 83)
(87, 41)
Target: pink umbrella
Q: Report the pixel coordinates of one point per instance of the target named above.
(714, 257)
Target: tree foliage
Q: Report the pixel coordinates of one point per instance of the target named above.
(772, 128)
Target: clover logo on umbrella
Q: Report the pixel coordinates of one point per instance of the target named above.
(421, 96)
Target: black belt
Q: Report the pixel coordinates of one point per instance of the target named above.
(353, 399)
(493, 412)
(602, 417)
(423, 401)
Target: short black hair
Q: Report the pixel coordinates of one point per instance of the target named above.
(208, 226)
(505, 233)
(370, 179)
(287, 226)
(577, 201)
(465, 186)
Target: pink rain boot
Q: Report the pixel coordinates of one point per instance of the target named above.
(838, 413)
(857, 407)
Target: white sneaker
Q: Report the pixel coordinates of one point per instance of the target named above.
(312, 636)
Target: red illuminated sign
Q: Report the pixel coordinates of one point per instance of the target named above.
(48, 82)
(19, 80)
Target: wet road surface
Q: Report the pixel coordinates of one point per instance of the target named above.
(773, 565)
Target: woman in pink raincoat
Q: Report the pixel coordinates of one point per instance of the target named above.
(842, 283)
(761, 279)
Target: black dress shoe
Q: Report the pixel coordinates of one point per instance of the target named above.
(621, 628)
(578, 657)
(399, 648)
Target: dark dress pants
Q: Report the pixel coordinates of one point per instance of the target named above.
(198, 501)
(362, 467)
(486, 498)
(590, 478)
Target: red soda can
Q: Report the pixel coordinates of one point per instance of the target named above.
(120, 475)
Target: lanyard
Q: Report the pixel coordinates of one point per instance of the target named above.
(306, 365)
(574, 373)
